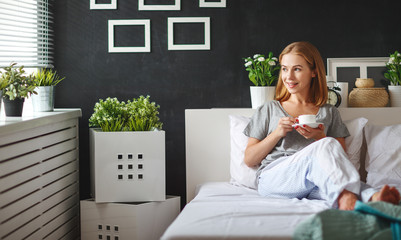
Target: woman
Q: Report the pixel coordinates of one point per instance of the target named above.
(300, 161)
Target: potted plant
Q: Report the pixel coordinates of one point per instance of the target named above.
(127, 151)
(3, 84)
(45, 81)
(263, 74)
(393, 74)
(16, 86)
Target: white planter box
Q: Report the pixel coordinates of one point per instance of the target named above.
(127, 166)
(118, 221)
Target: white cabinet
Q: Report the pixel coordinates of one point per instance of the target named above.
(133, 221)
(39, 176)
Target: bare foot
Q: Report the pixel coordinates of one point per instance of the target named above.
(347, 200)
(387, 194)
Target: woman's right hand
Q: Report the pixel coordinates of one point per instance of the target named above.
(284, 126)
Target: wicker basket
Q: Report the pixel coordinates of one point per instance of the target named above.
(368, 97)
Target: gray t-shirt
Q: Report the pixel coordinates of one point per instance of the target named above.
(265, 121)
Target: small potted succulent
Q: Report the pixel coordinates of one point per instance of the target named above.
(263, 74)
(127, 151)
(15, 87)
(45, 81)
(393, 74)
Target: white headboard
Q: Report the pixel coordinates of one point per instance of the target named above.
(207, 139)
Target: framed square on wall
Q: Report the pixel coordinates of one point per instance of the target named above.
(220, 4)
(126, 49)
(170, 28)
(97, 6)
(362, 63)
(153, 7)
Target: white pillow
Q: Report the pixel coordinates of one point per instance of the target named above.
(354, 142)
(383, 158)
(242, 175)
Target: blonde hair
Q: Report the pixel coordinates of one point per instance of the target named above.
(318, 88)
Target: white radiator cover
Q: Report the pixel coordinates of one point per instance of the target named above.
(39, 176)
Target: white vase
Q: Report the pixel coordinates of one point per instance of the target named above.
(127, 166)
(395, 95)
(43, 101)
(261, 95)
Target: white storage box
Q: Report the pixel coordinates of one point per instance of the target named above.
(133, 221)
(127, 166)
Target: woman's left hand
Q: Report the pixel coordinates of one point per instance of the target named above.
(311, 133)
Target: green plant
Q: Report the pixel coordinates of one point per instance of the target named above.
(47, 77)
(262, 71)
(394, 68)
(15, 84)
(137, 115)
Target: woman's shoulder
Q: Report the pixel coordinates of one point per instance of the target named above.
(329, 110)
(329, 107)
(270, 106)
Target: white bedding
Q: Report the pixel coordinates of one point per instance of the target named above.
(221, 210)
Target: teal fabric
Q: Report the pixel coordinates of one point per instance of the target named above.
(395, 222)
(373, 221)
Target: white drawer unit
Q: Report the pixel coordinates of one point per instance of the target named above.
(39, 176)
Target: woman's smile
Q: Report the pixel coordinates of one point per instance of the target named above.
(291, 84)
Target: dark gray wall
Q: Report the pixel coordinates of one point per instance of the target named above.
(179, 80)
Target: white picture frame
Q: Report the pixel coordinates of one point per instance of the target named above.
(143, 7)
(99, 6)
(362, 63)
(221, 4)
(112, 23)
(170, 28)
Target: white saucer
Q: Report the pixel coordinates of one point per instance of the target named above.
(312, 125)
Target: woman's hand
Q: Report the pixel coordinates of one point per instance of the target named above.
(311, 133)
(284, 126)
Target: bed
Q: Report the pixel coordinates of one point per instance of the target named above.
(221, 195)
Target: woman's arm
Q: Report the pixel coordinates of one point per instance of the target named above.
(257, 150)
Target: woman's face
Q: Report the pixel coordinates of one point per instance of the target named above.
(296, 74)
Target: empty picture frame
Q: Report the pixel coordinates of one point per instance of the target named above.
(96, 6)
(143, 7)
(362, 63)
(144, 22)
(221, 4)
(170, 29)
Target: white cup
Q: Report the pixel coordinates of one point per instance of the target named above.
(307, 118)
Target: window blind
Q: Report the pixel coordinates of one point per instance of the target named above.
(25, 33)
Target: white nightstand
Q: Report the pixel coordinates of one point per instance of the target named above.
(119, 221)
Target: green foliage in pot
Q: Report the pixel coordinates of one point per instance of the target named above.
(47, 77)
(394, 68)
(137, 115)
(14, 83)
(262, 71)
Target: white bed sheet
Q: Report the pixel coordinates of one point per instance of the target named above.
(221, 210)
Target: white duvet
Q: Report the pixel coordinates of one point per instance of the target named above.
(221, 210)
